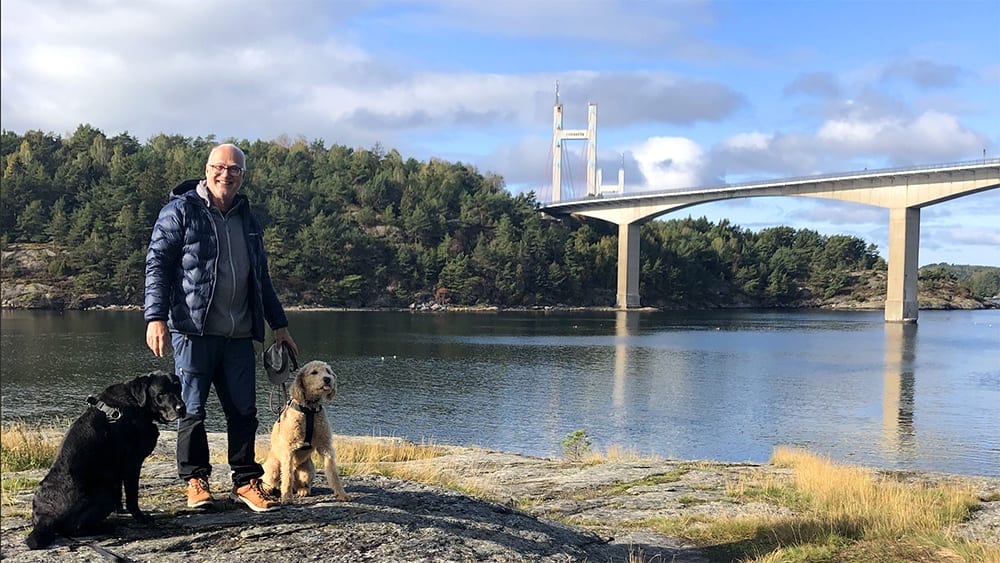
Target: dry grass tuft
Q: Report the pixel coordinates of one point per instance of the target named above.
(357, 455)
(858, 503)
(839, 513)
(614, 454)
(383, 450)
(26, 446)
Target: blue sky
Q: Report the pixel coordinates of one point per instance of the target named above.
(689, 93)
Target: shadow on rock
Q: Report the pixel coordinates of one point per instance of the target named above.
(387, 520)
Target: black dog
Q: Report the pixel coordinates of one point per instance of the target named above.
(102, 452)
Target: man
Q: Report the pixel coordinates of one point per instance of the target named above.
(208, 287)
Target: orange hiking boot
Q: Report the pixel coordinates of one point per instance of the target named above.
(252, 495)
(198, 493)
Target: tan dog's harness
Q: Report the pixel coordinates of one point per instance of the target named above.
(310, 421)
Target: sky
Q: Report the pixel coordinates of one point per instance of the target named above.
(689, 93)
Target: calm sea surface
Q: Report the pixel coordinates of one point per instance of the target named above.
(727, 386)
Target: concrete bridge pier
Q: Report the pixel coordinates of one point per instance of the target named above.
(901, 303)
(628, 266)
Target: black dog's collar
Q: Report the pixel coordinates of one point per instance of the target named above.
(310, 421)
(113, 413)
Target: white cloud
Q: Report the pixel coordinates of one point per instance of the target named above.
(932, 137)
(669, 162)
(852, 133)
(748, 141)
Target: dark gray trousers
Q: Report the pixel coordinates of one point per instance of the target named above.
(229, 364)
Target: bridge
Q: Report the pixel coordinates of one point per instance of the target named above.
(904, 191)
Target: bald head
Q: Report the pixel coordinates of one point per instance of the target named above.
(224, 174)
(232, 152)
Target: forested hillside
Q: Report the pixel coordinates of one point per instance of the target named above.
(983, 281)
(367, 228)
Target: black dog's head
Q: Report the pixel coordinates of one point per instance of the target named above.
(160, 393)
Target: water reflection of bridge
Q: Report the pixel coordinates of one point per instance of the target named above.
(898, 437)
(897, 387)
(903, 191)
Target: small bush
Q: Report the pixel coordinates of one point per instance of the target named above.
(576, 445)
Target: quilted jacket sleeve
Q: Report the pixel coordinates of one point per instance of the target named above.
(162, 261)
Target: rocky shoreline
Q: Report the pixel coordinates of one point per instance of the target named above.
(28, 285)
(538, 510)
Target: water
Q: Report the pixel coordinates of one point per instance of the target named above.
(727, 385)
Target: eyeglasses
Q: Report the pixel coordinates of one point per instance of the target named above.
(232, 168)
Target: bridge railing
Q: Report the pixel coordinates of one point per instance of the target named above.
(799, 179)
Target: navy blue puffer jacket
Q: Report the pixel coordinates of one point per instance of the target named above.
(181, 262)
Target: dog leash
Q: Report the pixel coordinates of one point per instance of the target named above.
(282, 368)
(107, 554)
(270, 400)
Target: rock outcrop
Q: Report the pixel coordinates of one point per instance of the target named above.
(568, 512)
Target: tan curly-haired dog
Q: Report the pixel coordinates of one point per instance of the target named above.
(300, 430)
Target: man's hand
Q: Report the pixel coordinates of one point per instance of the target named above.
(157, 337)
(281, 336)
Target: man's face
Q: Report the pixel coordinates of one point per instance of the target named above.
(224, 174)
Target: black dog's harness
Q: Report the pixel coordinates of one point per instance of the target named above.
(113, 413)
(310, 421)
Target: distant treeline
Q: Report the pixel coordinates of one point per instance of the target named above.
(983, 281)
(368, 228)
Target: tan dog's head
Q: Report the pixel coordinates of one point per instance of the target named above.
(314, 382)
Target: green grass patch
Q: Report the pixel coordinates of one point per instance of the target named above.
(771, 493)
(10, 488)
(992, 496)
(671, 476)
(690, 500)
(14, 485)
